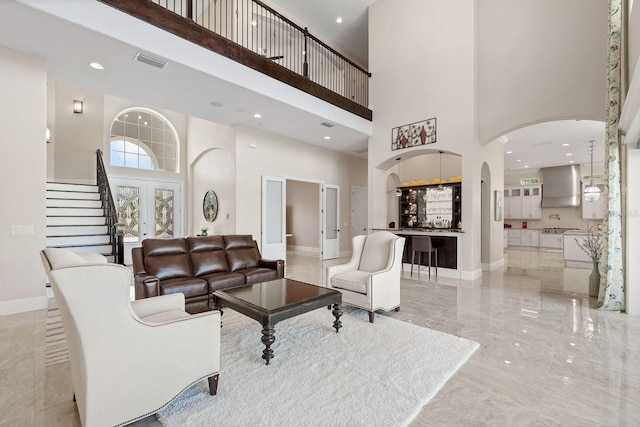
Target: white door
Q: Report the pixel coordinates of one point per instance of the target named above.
(330, 221)
(148, 209)
(273, 239)
(358, 211)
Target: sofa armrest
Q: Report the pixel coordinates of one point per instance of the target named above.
(146, 286)
(274, 264)
(148, 306)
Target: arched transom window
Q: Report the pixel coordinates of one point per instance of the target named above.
(143, 139)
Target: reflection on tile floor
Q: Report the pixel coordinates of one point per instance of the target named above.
(546, 356)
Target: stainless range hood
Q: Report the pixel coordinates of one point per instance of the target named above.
(561, 187)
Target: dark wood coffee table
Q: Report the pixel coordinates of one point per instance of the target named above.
(276, 300)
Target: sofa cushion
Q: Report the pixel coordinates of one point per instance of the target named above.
(258, 274)
(158, 247)
(190, 287)
(169, 266)
(167, 258)
(241, 251)
(354, 281)
(224, 280)
(375, 254)
(207, 255)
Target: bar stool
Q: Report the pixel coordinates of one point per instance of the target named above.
(422, 244)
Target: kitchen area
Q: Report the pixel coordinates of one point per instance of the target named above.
(547, 211)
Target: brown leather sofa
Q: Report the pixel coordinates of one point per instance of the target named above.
(198, 266)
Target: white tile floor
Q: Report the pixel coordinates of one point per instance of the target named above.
(547, 357)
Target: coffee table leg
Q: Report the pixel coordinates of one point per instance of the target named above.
(268, 337)
(337, 312)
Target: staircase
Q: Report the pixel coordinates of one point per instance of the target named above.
(76, 219)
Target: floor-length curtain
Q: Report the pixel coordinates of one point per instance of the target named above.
(612, 291)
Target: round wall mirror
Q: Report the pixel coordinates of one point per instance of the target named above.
(210, 206)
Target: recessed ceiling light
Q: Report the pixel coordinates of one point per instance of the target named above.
(327, 137)
(518, 160)
(565, 145)
(569, 154)
(571, 161)
(339, 20)
(96, 65)
(526, 166)
(257, 115)
(509, 152)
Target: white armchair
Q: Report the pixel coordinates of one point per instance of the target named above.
(128, 359)
(371, 279)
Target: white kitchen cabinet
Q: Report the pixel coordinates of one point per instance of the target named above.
(572, 253)
(593, 210)
(514, 202)
(530, 238)
(532, 202)
(514, 238)
(523, 202)
(505, 238)
(551, 241)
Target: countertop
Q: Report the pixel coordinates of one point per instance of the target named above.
(423, 231)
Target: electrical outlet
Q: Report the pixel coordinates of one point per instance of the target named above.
(20, 230)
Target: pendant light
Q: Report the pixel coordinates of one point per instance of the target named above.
(440, 186)
(592, 192)
(398, 190)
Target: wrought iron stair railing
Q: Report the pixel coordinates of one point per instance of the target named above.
(252, 33)
(110, 211)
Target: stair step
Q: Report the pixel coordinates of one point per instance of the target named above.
(65, 186)
(75, 220)
(76, 230)
(65, 211)
(83, 249)
(73, 203)
(92, 239)
(72, 195)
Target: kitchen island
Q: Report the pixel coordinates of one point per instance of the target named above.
(445, 239)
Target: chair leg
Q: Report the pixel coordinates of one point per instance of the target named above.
(436, 266)
(413, 257)
(397, 309)
(213, 384)
(372, 315)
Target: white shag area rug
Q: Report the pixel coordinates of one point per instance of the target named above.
(367, 374)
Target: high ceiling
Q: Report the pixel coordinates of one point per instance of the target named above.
(68, 48)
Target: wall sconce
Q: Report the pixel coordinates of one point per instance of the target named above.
(47, 134)
(77, 106)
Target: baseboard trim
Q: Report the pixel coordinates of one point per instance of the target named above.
(303, 250)
(23, 305)
(494, 265)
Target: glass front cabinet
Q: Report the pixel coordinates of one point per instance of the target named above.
(429, 207)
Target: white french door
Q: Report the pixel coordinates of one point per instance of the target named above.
(358, 211)
(148, 209)
(330, 221)
(274, 198)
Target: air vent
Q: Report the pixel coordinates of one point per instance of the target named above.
(327, 124)
(150, 60)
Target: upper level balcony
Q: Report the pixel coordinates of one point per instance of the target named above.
(256, 36)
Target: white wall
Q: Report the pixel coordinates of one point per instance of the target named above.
(78, 136)
(23, 84)
(278, 156)
(539, 60)
(211, 157)
(632, 271)
(421, 56)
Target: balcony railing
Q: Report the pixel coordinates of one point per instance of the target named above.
(255, 26)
